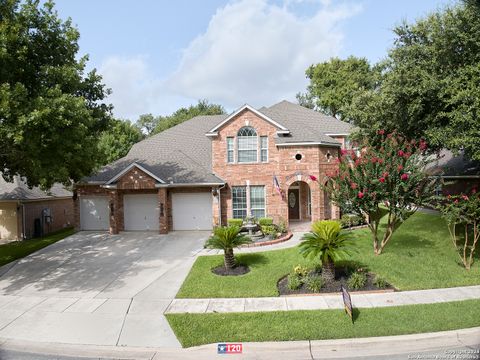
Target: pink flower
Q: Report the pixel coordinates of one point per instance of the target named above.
(401, 153)
(449, 197)
(404, 177)
(423, 145)
(465, 197)
(381, 132)
(374, 160)
(407, 155)
(399, 168)
(456, 201)
(385, 174)
(357, 162)
(313, 178)
(380, 161)
(353, 185)
(360, 194)
(474, 190)
(382, 179)
(343, 152)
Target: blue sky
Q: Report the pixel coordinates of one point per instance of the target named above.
(157, 56)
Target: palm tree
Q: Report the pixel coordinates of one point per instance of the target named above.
(327, 241)
(226, 238)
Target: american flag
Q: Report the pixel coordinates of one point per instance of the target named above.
(276, 185)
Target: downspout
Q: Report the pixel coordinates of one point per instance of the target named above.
(23, 222)
(220, 204)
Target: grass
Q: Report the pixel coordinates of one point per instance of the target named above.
(19, 249)
(420, 255)
(197, 329)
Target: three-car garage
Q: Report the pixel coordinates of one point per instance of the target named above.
(141, 212)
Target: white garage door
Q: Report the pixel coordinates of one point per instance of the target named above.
(192, 211)
(141, 212)
(94, 213)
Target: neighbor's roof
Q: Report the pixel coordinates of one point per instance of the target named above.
(448, 164)
(182, 154)
(18, 190)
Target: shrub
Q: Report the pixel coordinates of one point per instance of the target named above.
(357, 280)
(300, 271)
(314, 283)
(282, 226)
(226, 239)
(294, 282)
(349, 220)
(265, 221)
(269, 230)
(380, 282)
(235, 222)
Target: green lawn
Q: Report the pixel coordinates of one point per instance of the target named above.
(420, 255)
(19, 249)
(198, 329)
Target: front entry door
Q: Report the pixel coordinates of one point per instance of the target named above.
(293, 204)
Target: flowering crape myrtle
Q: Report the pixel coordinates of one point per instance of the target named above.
(462, 215)
(385, 177)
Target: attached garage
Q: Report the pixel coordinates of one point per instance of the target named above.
(192, 211)
(94, 213)
(141, 212)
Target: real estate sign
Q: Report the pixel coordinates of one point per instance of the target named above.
(347, 302)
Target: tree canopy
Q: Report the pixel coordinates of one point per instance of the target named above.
(51, 111)
(116, 141)
(334, 83)
(151, 125)
(427, 87)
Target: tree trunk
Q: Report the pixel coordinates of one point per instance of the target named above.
(374, 229)
(328, 271)
(476, 235)
(229, 259)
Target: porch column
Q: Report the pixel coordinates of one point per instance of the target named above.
(116, 212)
(164, 210)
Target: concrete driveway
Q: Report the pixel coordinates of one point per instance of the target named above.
(94, 288)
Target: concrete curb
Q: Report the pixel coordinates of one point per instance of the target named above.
(315, 349)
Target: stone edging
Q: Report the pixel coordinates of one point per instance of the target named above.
(283, 238)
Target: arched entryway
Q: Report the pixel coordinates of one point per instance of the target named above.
(299, 202)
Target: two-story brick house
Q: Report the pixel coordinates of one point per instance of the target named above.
(200, 173)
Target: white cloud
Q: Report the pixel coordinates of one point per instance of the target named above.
(257, 52)
(135, 88)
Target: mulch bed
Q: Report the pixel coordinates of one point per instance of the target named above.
(237, 270)
(341, 278)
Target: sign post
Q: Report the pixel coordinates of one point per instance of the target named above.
(347, 302)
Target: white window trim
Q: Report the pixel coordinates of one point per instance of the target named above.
(238, 149)
(233, 149)
(266, 137)
(248, 198)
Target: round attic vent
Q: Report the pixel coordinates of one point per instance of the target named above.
(298, 157)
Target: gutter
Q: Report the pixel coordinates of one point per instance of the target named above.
(321, 143)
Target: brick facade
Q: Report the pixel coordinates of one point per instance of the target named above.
(282, 163)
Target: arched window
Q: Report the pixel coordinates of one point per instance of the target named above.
(247, 145)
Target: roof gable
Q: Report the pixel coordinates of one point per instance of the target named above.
(281, 129)
(128, 168)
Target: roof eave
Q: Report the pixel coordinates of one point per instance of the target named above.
(309, 143)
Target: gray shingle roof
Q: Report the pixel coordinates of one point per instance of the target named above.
(305, 125)
(19, 191)
(447, 164)
(182, 154)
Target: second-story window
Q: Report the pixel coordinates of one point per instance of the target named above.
(263, 148)
(247, 145)
(230, 151)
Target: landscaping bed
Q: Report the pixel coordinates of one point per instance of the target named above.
(341, 279)
(419, 256)
(237, 270)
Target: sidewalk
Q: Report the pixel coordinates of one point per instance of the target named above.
(322, 302)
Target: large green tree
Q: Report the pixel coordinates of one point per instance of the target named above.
(116, 141)
(51, 111)
(430, 83)
(184, 114)
(334, 84)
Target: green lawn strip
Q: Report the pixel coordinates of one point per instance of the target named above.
(198, 329)
(19, 249)
(420, 255)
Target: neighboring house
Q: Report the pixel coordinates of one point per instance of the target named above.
(458, 174)
(200, 173)
(27, 213)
